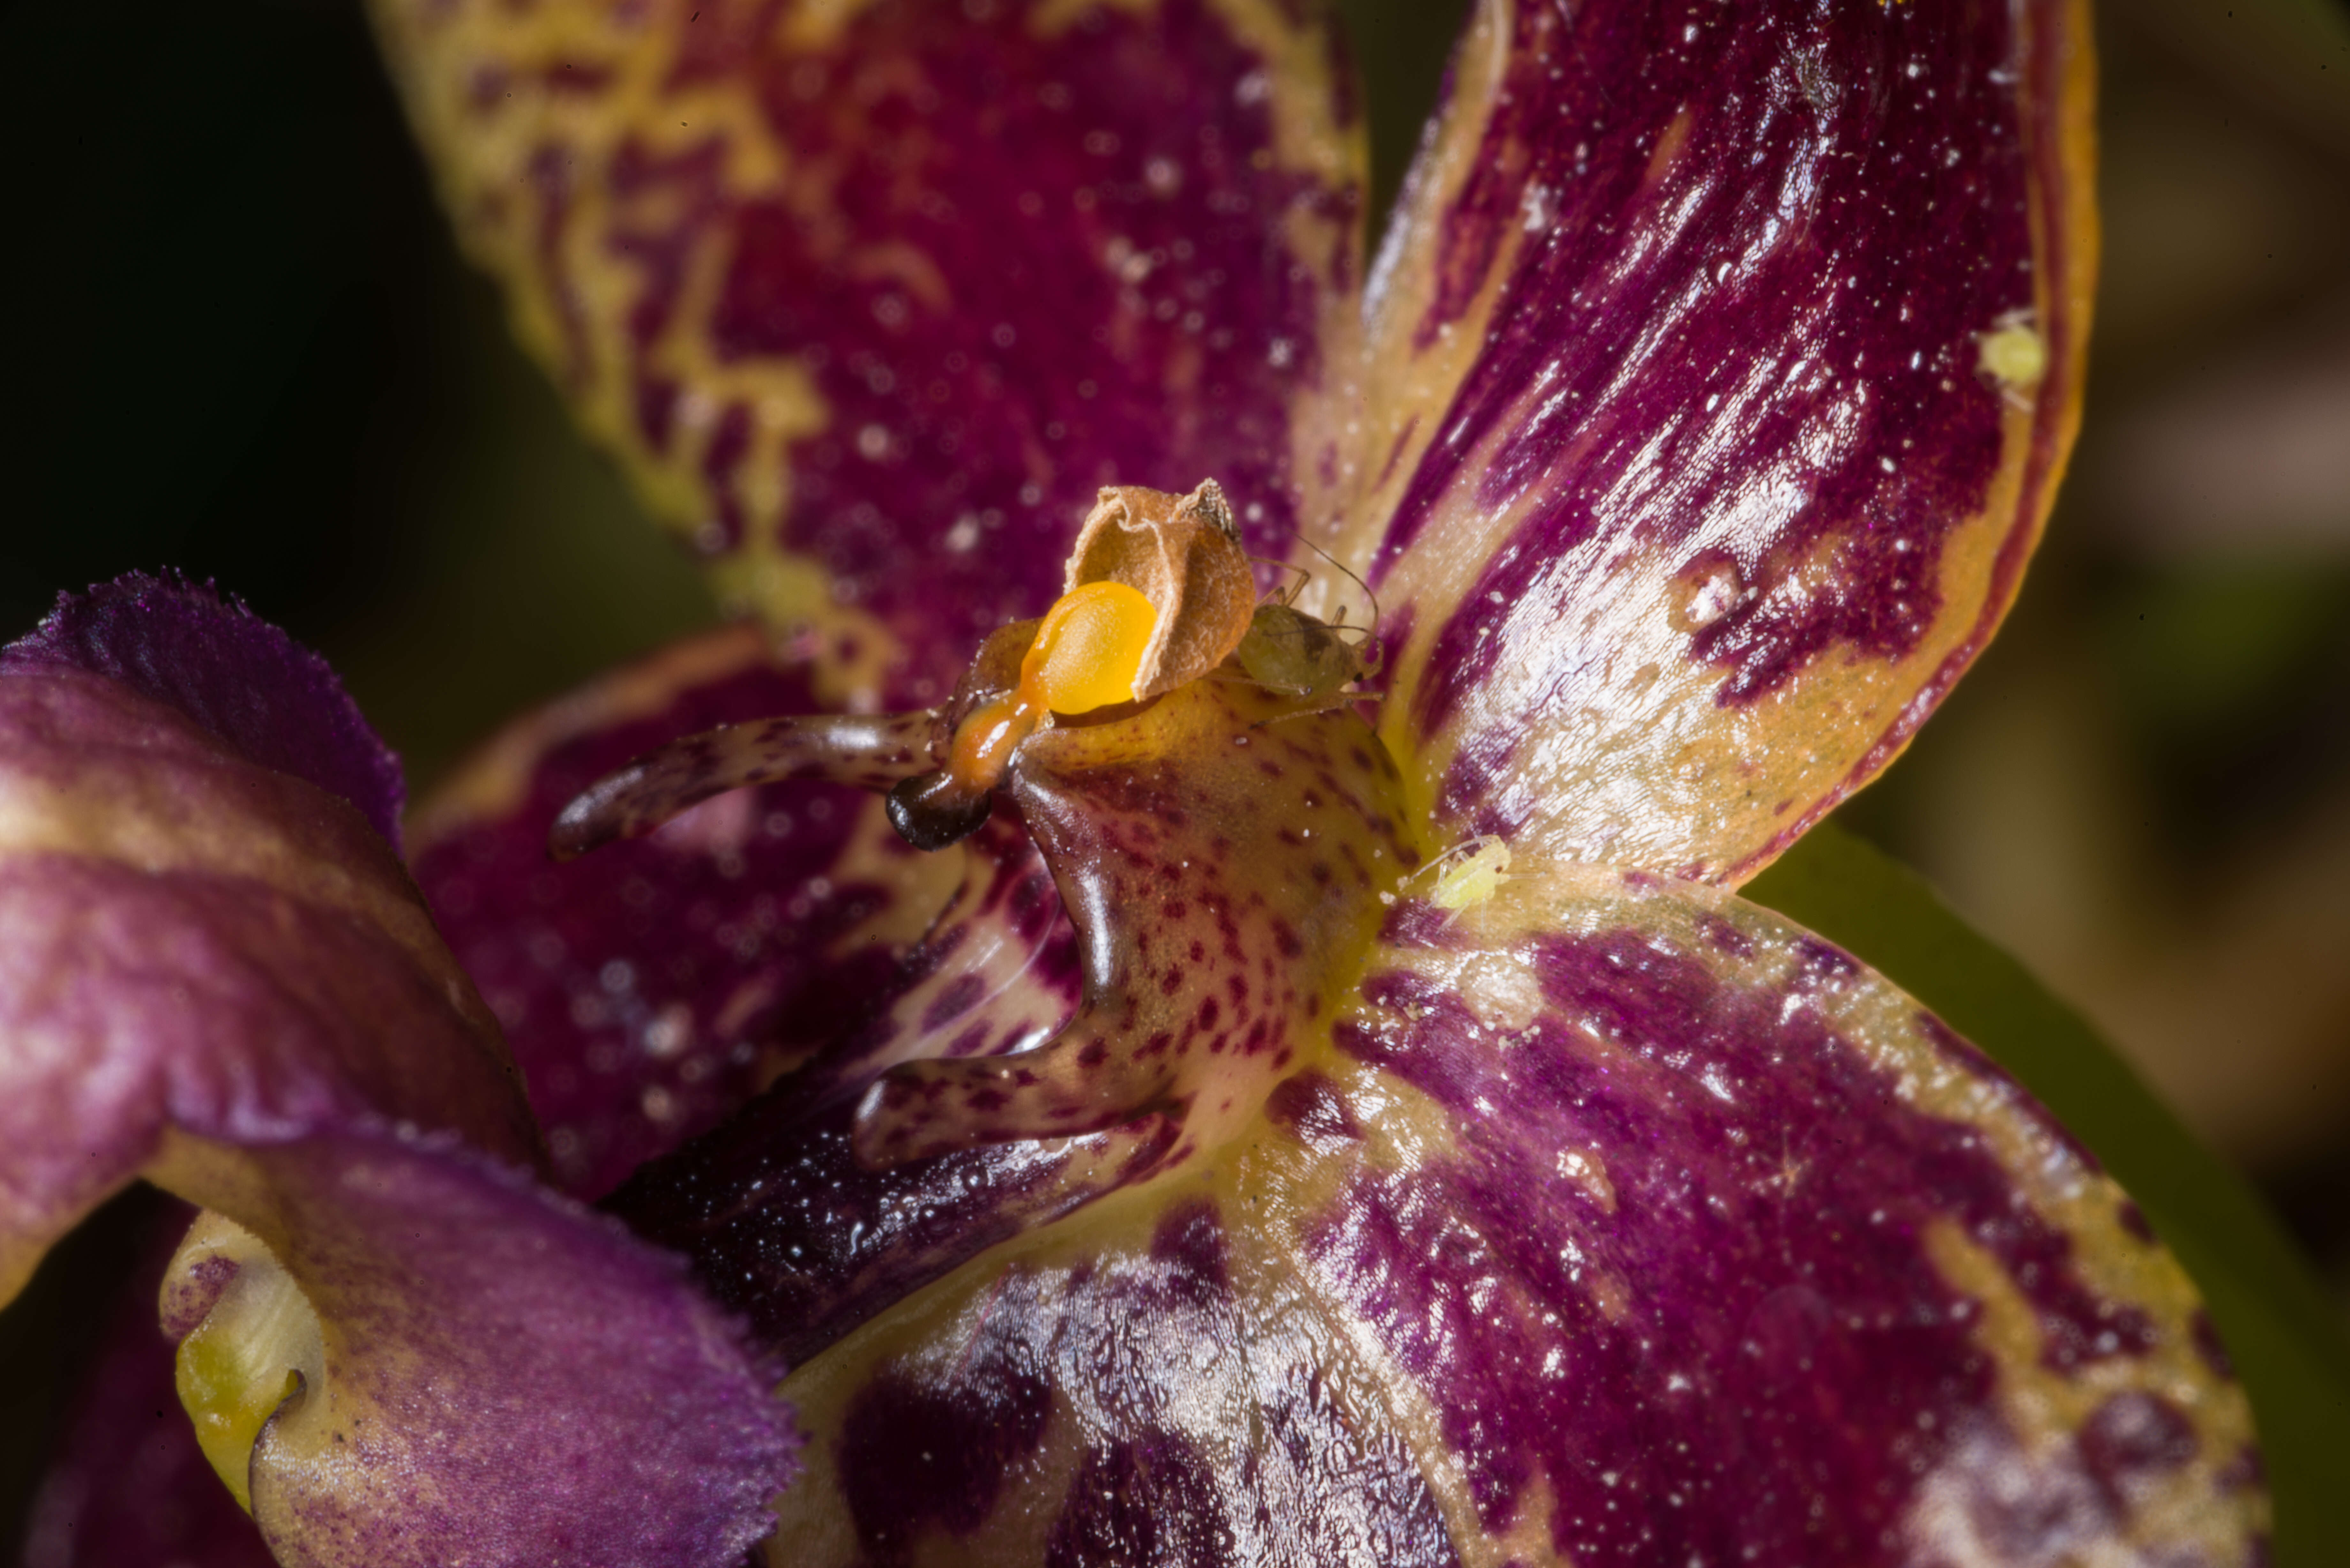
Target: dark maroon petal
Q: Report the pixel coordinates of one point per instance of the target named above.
(651, 987)
(1689, 469)
(1617, 1222)
(228, 672)
(871, 298)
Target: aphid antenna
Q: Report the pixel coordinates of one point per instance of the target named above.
(1346, 572)
(1466, 847)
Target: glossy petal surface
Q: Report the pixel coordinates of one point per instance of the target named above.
(871, 297)
(1617, 1223)
(216, 975)
(1719, 371)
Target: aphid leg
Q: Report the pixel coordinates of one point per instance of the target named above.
(871, 752)
(1077, 1081)
(1284, 594)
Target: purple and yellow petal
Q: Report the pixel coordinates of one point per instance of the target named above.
(1617, 1222)
(870, 297)
(196, 945)
(215, 974)
(1709, 1238)
(1719, 373)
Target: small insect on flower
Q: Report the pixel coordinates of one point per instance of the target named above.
(1315, 661)
(2014, 356)
(1470, 873)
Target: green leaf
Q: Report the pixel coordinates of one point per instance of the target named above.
(2285, 1336)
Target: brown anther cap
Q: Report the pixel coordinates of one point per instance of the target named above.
(1183, 553)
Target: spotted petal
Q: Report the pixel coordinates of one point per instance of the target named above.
(871, 297)
(1618, 1221)
(214, 974)
(1719, 368)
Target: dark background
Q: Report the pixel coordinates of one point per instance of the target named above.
(237, 341)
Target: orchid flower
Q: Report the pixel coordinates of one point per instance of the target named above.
(1223, 1035)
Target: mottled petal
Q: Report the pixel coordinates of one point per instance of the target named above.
(214, 974)
(1721, 368)
(1617, 1222)
(651, 987)
(870, 296)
